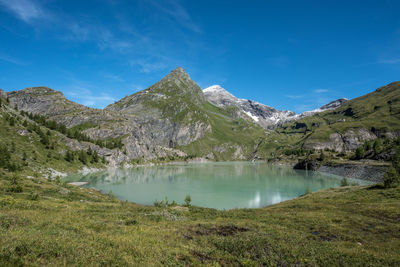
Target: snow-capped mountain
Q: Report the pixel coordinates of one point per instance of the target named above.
(265, 116)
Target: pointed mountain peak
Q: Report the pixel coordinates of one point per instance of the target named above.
(179, 70)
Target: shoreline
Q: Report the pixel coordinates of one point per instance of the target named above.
(367, 171)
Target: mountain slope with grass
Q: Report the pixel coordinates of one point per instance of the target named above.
(372, 116)
(34, 147)
(367, 118)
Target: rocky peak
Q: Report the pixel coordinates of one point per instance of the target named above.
(261, 114)
(331, 105)
(219, 96)
(334, 104)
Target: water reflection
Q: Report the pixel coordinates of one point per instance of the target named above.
(216, 185)
(255, 202)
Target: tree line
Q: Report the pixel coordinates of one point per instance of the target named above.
(110, 143)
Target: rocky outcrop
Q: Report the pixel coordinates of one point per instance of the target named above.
(331, 105)
(338, 142)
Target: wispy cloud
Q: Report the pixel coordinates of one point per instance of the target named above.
(294, 96)
(113, 77)
(26, 10)
(320, 91)
(389, 61)
(147, 67)
(87, 98)
(91, 32)
(12, 60)
(175, 11)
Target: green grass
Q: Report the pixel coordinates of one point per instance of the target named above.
(379, 110)
(39, 157)
(66, 225)
(225, 132)
(83, 126)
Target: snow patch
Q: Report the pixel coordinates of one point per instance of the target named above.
(213, 89)
(255, 118)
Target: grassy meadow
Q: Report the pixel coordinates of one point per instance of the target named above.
(51, 223)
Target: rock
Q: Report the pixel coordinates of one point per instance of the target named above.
(238, 153)
(3, 94)
(64, 191)
(356, 171)
(78, 183)
(331, 105)
(23, 132)
(349, 141)
(307, 164)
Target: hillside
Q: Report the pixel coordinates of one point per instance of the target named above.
(370, 123)
(33, 146)
(167, 121)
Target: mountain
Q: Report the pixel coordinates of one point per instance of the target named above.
(171, 119)
(265, 116)
(174, 119)
(261, 114)
(370, 117)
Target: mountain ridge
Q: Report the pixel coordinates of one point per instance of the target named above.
(266, 116)
(174, 119)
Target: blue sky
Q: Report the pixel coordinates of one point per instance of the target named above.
(295, 55)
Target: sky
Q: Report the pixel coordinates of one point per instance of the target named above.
(291, 55)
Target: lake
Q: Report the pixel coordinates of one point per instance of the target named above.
(221, 185)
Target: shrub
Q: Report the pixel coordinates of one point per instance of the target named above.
(322, 156)
(344, 182)
(188, 200)
(57, 180)
(34, 196)
(360, 152)
(391, 178)
(83, 157)
(14, 186)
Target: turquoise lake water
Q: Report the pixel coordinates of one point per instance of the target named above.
(224, 185)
